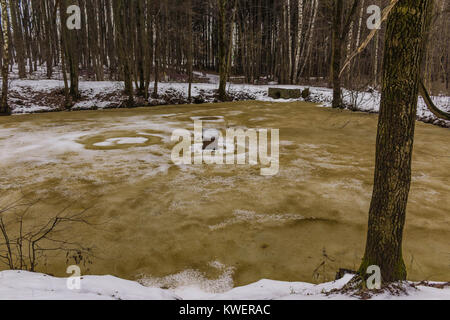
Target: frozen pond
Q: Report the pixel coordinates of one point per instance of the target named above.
(224, 225)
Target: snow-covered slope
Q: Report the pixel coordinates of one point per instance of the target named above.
(25, 285)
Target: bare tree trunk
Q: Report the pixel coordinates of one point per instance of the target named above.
(18, 39)
(189, 49)
(358, 35)
(157, 54)
(121, 12)
(336, 57)
(93, 41)
(4, 107)
(339, 33)
(222, 6)
(140, 27)
(349, 48)
(67, 100)
(47, 26)
(314, 8)
(150, 49)
(289, 39)
(360, 20)
(299, 40)
(375, 62)
(230, 40)
(404, 52)
(430, 104)
(111, 48)
(73, 58)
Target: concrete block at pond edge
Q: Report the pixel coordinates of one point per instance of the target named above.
(237, 80)
(280, 93)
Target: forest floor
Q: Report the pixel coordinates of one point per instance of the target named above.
(28, 286)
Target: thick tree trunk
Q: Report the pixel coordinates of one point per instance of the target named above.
(404, 51)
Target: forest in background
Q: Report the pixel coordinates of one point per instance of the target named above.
(253, 41)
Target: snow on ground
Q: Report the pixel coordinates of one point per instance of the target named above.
(22, 285)
(113, 141)
(30, 96)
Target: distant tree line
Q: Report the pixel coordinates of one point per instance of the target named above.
(141, 41)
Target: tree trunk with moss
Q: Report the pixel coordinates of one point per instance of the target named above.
(404, 52)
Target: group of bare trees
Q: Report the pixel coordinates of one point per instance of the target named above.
(140, 41)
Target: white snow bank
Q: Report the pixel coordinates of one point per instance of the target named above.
(20, 285)
(25, 285)
(30, 96)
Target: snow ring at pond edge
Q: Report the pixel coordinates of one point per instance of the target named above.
(114, 141)
(119, 140)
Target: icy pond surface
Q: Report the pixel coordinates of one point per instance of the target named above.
(223, 226)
